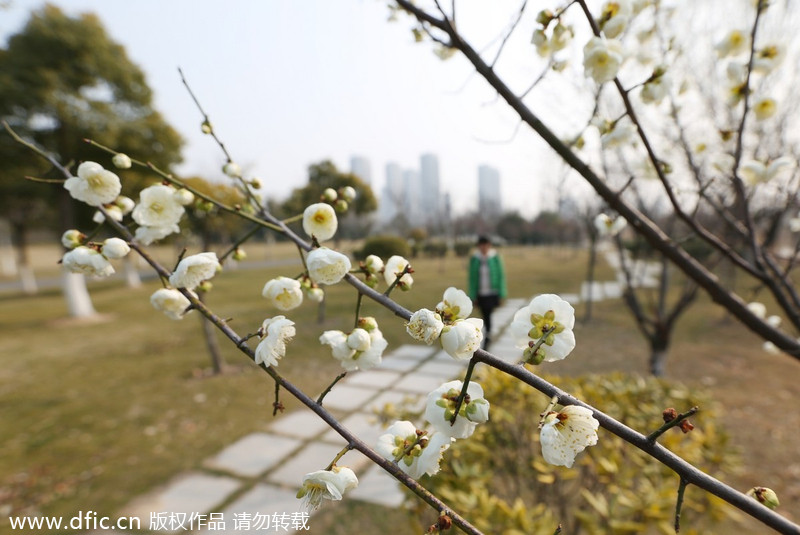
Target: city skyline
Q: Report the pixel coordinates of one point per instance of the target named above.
(268, 105)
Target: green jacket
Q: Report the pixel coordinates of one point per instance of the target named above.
(497, 275)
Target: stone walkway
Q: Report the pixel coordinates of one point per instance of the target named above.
(250, 486)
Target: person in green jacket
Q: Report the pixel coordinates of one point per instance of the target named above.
(487, 283)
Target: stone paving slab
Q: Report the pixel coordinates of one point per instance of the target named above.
(253, 454)
(299, 424)
(442, 369)
(413, 402)
(364, 426)
(315, 456)
(376, 486)
(409, 351)
(347, 398)
(373, 378)
(418, 383)
(401, 365)
(262, 507)
(194, 492)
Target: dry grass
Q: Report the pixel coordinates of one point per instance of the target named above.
(99, 412)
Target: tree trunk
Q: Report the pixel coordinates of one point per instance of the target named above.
(659, 345)
(8, 264)
(132, 277)
(210, 336)
(79, 303)
(587, 315)
(27, 279)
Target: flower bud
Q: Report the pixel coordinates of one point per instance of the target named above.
(329, 195)
(72, 238)
(114, 248)
(206, 127)
(348, 193)
(373, 264)
(765, 496)
(184, 197)
(341, 206)
(255, 183)
(232, 169)
(205, 286)
(121, 161)
(368, 323)
(315, 294)
(371, 280)
(669, 415)
(239, 254)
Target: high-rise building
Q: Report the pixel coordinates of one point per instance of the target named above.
(429, 188)
(413, 195)
(360, 167)
(393, 198)
(489, 204)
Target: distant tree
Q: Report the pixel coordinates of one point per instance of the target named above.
(513, 228)
(63, 79)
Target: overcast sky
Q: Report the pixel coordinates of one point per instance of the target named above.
(288, 83)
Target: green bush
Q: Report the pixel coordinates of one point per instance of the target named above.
(383, 246)
(463, 248)
(499, 476)
(435, 249)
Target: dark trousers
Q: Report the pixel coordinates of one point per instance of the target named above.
(487, 304)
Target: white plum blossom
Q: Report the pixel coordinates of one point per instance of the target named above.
(654, 91)
(566, 433)
(125, 204)
(275, 334)
(326, 485)
(319, 220)
(184, 197)
(461, 339)
(764, 108)
(425, 326)
(114, 212)
(755, 172)
(735, 42)
(147, 235)
(794, 223)
(394, 267)
(88, 261)
(358, 350)
(455, 305)
(94, 185)
(767, 58)
(194, 269)
(620, 134)
(758, 309)
(614, 17)
(284, 293)
(548, 317)
(602, 59)
(171, 302)
(121, 161)
(441, 404)
(608, 226)
(72, 238)
(158, 207)
(326, 266)
(416, 453)
(114, 248)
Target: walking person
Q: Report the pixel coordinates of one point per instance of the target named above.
(487, 283)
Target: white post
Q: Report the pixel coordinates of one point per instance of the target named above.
(79, 303)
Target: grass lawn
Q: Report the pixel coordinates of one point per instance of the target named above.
(97, 413)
